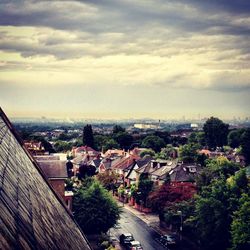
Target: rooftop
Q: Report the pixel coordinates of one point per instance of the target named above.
(32, 216)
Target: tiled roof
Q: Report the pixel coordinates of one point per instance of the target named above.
(32, 216)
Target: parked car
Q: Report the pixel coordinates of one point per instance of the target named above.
(134, 245)
(169, 239)
(126, 238)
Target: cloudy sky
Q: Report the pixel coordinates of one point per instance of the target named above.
(125, 58)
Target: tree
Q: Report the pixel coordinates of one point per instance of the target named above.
(108, 179)
(117, 129)
(169, 152)
(240, 230)
(197, 138)
(216, 132)
(245, 144)
(168, 194)
(234, 138)
(149, 152)
(153, 142)
(62, 146)
(124, 139)
(145, 186)
(86, 171)
(88, 138)
(95, 210)
(189, 153)
(212, 219)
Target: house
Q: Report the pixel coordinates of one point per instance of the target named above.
(160, 174)
(111, 153)
(132, 174)
(85, 150)
(184, 172)
(96, 163)
(56, 173)
(34, 147)
(32, 214)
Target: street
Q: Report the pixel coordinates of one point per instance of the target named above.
(129, 223)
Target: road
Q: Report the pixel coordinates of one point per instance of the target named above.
(141, 231)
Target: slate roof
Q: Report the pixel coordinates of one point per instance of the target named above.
(54, 169)
(32, 216)
(184, 173)
(162, 171)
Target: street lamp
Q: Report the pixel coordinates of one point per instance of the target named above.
(180, 213)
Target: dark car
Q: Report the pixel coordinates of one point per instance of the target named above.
(169, 239)
(126, 238)
(134, 245)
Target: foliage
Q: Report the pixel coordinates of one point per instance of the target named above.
(145, 186)
(171, 214)
(86, 171)
(215, 207)
(189, 153)
(94, 209)
(88, 138)
(62, 146)
(197, 138)
(149, 152)
(117, 129)
(245, 144)
(169, 152)
(240, 229)
(124, 140)
(216, 132)
(234, 138)
(168, 194)
(163, 135)
(108, 179)
(153, 142)
(212, 219)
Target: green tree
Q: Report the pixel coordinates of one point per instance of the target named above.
(153, 142)
(212, 219)
(117, 129)
(245, 144)
(149, 152)
(95, 210)
(240, 229)
(88, 138)
(216, 132)
(169, 152)
(124, 139)
(62, 146)
(145, 186)
(189, 153)
(108, 179)
(234, 138)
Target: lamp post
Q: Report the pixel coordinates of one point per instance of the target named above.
(180, 213)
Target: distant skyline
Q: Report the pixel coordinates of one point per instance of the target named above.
(116, 59)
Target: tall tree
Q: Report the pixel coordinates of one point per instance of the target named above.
(95, 210)
(88, 138)
(216, 132)
(240, 230)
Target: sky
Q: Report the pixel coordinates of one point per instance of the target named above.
(162, 59)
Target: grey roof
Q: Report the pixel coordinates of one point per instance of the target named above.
(184, 172)
(162, 171)
(54, 169)
(32, 216)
